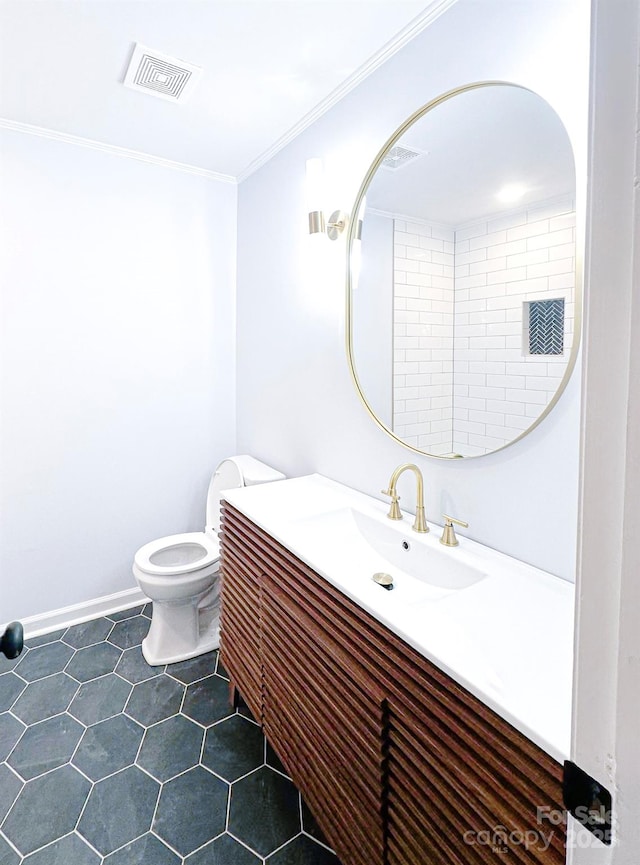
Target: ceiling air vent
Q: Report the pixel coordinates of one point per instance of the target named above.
(160, 75)
(399, 156)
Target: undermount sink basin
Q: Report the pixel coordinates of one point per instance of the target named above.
(421, 570)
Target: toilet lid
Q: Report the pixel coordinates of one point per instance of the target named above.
(178, 554)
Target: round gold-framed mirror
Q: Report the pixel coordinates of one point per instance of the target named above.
(464, 272)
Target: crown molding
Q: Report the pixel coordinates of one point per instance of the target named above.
(114, 150)
(433, 11)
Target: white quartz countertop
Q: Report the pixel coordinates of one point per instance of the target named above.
(508, 638)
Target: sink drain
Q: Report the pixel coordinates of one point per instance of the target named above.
(384, 580)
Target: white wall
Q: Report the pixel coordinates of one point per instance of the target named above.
(297, 407)
(117, 362)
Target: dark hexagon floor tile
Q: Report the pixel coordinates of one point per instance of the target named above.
(45, 746)
(45, 698)
(87, 633)
(207, 701)
(44, 661)
(7, 664)
(94, 661)
(147, 610)
(225, 850)
(119, 810)
(264, 812)
(108, 747)
(70, 850)
(192, 810)
(8, 856)
(303, 851)
(10, 786)
(147, 850)
(130, 632)
(233, 748)
(155, 700)
(171, 747)
(100, 699)
(310, 826)
(272, 759)
(133, 667)
(193, 669)
(10, 731)
(244, 710)
(10, 689)
(125, 614)
(46, 809)
(44, 639)
(220, 670)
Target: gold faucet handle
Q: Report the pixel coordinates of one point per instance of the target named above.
(394, 510)
(449, 538)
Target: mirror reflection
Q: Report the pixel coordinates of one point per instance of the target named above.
(463, 311)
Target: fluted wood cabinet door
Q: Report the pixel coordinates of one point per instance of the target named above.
(464, 787)
(327, 721)
(399, 764)
(240, 627)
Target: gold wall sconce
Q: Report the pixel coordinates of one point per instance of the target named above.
(315, 186)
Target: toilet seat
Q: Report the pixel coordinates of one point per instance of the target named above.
(178, 554)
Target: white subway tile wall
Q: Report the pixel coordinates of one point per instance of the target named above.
(423, 335)
(469, 288)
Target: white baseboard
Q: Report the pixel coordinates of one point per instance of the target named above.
(34, 626)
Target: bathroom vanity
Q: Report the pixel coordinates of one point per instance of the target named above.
(410, 741)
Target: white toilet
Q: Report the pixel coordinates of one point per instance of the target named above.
(180, 573)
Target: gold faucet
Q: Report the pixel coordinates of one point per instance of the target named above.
(420, 523)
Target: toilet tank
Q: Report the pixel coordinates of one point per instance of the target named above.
(232, 473)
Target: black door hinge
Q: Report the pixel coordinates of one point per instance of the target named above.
(588, 801)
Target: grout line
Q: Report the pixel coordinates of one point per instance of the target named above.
(228, 814)
(126, 844)
(246, 846)
(84, 805)
(300, 811)
(202, 746)
(84, 775)
(13, 715)
(10, 843)
(142, 740)
(184, 695)
(156, 806)
(89, 844)
(44, 846)
(78, 743)
(167, 844)
(317, 841)
(279, 772)
(212, 772)
(206, 843)
(282, 846)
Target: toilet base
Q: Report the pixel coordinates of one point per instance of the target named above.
(155, 660)
(184, 629)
